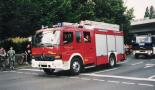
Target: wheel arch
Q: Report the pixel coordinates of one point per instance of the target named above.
(114, 54)
(76, 55)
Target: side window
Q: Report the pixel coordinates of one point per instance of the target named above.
(67, 37)
(87, 38)
(78, 37)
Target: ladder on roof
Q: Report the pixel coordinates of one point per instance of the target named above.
(93, 24)
(100, 25)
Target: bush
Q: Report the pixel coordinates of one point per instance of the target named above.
(18, 43)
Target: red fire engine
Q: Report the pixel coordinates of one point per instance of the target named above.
(74, 46)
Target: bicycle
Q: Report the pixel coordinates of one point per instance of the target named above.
(22, 59)
(3, 63)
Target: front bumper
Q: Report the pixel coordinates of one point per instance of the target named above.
(56, 64)
(142, 52)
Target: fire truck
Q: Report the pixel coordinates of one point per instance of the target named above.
(73, 46)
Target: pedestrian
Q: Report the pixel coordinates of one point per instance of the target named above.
(11, 56)
(2, 58)
(28, 53)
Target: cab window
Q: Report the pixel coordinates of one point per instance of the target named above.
(87, 38)
(67, 37)
(78, 37)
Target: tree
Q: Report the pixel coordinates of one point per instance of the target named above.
(23, 17)
(113, 11)
(147, 12)
(152, 12)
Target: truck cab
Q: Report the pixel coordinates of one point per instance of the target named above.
(143, 45)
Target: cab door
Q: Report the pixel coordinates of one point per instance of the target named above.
(89, 47)
(68, 44)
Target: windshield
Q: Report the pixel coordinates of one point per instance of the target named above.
(143, 39)
(47, 38)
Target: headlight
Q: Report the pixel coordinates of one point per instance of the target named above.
(57, 57)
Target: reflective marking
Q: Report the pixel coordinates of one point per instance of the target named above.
(113, 81)
(136, 63)
(106, 70)
(128, 83)
(121, 77)
(142, 84)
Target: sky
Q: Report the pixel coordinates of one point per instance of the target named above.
(139, 6)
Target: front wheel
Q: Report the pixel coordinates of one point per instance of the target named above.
(75, 67)
(48, 71)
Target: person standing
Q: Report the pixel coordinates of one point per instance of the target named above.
(28, 53)
(2, 58)
(11, 56)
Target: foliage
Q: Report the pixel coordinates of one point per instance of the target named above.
(147, 13)
(23, 17)
(18, 43)
(150, 13)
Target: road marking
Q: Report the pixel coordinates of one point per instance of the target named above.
(9, 71)
(123, 62)
(151, 77)
(101, 80)
(142, 84)
(116, 82)
(113, 81)
(106, 70)
(85, 78)
(129, 83)
(120, 77)
(22, 72)
(74, 77)
(149, 65)
(136, 63)
(30, 69)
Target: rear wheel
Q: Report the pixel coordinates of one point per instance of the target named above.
(75, 67)
(48, 71)
(112, 61)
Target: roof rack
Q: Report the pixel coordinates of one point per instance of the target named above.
(100, 25)
(93, 24)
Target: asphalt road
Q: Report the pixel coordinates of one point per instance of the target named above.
(133, 74)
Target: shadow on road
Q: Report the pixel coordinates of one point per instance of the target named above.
(89, 70)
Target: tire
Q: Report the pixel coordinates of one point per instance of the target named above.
(48, 71)
(112, 61)
(75, 66)
(20, 61)
(136, 56)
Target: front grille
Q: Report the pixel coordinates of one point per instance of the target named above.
(44, 58)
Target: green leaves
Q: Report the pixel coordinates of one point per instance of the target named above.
(149, 13)
(23, 17)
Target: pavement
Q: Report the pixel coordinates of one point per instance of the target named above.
(132, 74)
